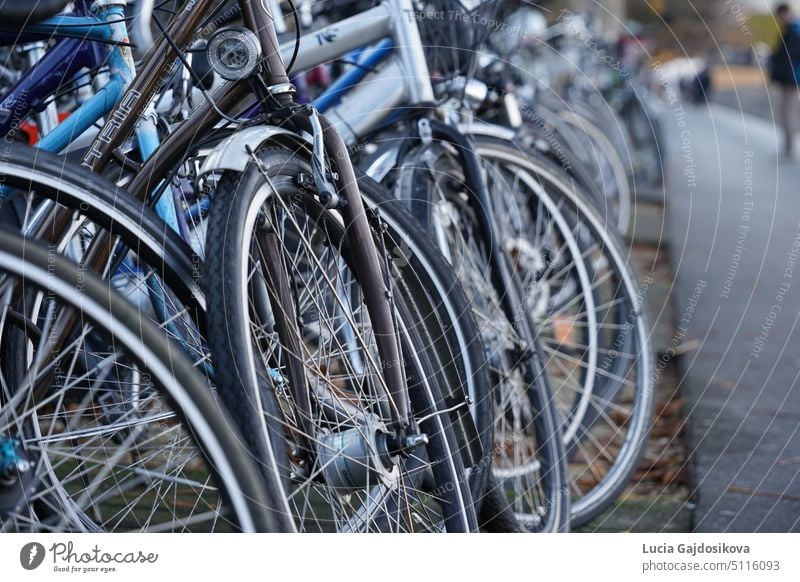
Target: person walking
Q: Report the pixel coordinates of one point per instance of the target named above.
(784, 70)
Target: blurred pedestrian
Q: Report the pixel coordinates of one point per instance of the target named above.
(784, 69)
(702, 85)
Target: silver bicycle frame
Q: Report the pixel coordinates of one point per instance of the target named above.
(403, 79)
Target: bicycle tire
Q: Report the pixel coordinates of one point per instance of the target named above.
(588, 506)
(239, 198)
(225, 455)
(111, 208)
(539, 505)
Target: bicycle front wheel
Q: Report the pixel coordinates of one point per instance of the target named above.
(609, 430)
(287, 316)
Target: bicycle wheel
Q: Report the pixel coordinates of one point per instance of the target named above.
(285, 306)
(646, 134)
(610, 437)
(114, 431)
(96, 223)
(612, 170)
(150, 265)
(31, 177)
(601, 161)
(527, 454)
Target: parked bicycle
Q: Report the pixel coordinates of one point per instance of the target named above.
(409, 294)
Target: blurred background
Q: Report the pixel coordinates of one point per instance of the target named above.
(720, 238)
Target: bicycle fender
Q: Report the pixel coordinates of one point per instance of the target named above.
(232, 152)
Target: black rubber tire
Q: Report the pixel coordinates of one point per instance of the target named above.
(226, 301)
(187, 390)
(577, 205)
(419, 201)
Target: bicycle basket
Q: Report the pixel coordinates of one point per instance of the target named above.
(452, 31)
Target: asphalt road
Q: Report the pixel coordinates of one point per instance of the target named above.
(733, 213)
(761, 100)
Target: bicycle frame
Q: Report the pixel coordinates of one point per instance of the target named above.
(389, 26)
(369, 102)
(64, 60)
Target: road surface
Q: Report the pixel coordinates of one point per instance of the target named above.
(733, 223)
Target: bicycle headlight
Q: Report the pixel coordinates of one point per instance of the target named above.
(233, 52)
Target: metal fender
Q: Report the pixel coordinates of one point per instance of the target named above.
(231, 153)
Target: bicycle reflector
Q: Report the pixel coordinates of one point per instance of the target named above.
(233, 52)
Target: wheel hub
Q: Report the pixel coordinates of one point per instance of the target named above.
(358, 458)
(530, 259)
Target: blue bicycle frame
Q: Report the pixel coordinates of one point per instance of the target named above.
(366, 60)
(92, 40)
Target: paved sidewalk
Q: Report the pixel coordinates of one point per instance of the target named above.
(733, 224)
